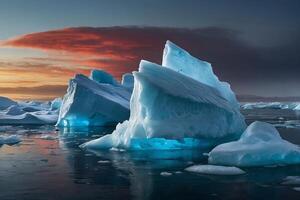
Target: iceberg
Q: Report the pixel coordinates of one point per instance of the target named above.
(259, 145)
(215, 170)
(170, 109)
(96, 101)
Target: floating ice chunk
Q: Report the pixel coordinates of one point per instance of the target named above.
(103, 161)
(101, 76)
(10, 139)
(89, 103)
(215, 170)
(166, 174)
(181, 61)
(48, 137)
(259, 145)
(6, 102)
(170, 110)
(291, 180)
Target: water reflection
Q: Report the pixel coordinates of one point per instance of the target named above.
(58, 169)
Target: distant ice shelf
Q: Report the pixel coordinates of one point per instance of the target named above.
(28, 112)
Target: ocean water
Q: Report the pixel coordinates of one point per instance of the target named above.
(48, 164)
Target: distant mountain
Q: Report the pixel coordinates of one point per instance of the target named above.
(255, 98)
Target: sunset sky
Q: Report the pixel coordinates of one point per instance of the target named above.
(254, 45)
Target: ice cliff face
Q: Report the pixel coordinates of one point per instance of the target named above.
(171, 108)
(96, 101)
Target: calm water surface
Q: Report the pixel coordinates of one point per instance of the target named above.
(57, 169)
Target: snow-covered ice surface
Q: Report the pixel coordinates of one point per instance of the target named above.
(259, 145)
(96, 101)
(30, 112)
(172, 110)
(215, 170)
(181, 61)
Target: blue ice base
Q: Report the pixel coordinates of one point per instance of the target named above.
(168, 144)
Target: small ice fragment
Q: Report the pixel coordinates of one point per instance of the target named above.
(297, 189)
(291, 180)
(215, 170)
(166, 174)
(103, 161)
(48, 137)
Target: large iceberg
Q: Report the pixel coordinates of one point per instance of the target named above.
(171, 110)
(27, 113)
(259, 145)
(96, 101)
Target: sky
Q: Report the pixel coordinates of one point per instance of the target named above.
(253, 45)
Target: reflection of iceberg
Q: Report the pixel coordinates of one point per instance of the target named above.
(98, 102)
(171, 110)
(259, 145)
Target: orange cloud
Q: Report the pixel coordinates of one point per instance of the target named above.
(119, 50)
